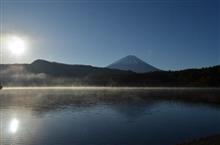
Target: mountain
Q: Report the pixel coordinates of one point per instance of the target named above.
(56, 69)
(132, 63)
(46, 73)
(59, 69)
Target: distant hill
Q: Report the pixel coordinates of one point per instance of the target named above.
(132, 63)
(42, 73)
(60, 70)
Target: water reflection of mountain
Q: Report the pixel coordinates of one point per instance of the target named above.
(128, 102)
(134, 110)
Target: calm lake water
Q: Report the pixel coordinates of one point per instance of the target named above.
(106, 117)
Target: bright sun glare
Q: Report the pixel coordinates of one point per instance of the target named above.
(13, 126)
(16, 45)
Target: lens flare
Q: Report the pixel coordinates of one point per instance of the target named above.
(13, 126)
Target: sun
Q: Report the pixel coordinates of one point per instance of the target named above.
(16, 45)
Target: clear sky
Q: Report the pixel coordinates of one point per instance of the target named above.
(169, 34)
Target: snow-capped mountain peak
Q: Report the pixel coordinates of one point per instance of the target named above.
(132, 63)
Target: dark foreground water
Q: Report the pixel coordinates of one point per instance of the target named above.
(106, 117)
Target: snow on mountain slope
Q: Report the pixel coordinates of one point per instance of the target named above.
(132, 63)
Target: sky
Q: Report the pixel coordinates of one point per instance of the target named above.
(168, 34)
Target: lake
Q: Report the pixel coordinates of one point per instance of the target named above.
(124, 116)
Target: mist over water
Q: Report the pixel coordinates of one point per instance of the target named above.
(103, 116)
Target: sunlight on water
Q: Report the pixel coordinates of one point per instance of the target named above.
(41, 116)
(14, 125)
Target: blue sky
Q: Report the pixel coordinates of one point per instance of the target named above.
(169, 34)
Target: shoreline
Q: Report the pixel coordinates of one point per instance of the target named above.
(106, 88)
(185, 94)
